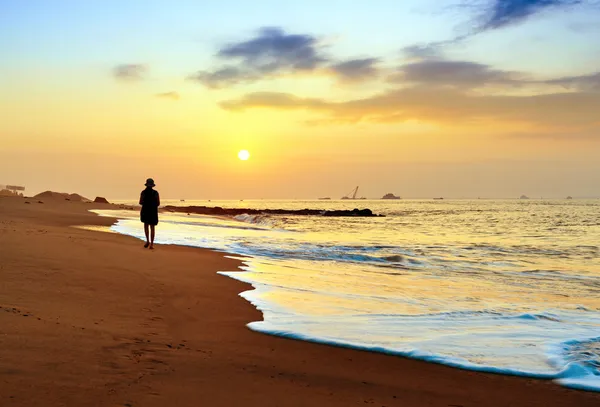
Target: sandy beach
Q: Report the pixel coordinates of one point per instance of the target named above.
(93, 319)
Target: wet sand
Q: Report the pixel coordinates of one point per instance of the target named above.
(94, 319)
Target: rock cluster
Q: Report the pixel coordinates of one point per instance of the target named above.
(218, 211)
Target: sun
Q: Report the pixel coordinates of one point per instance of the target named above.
(243, 155)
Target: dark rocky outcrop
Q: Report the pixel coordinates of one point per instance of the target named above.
(100, 199)
(218, 211)
(390, 196)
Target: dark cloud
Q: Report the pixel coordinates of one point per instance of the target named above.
(130, 72)
(492, 15)
(273, 49)
(271, 52)
(502, 13)
(454, 73)
(356, 69)
(441, 106)
(169, 95)
(497, 14)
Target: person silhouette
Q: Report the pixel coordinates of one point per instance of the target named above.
(150, 201)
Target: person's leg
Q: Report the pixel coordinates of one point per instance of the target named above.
(146, 232)
(152, 236)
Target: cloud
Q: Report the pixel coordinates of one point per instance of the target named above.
(169, 95)
(590, 83)
(130, 72)
(587, 27)
(420, 51)
(503, 13)
(356, 69)
(273, 49)
(278, 100)
(270, 53)
(438, 72)
(223, 77)
(498, 14)
(447, 106)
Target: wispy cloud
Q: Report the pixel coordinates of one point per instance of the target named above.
(278, 100)
(223, 77)
(464, 74)
(503, 13)
(356, 69)
(446, 106)
(423, 51)
(493, 15)
(587, 83)
(169, 95)
(130, 72)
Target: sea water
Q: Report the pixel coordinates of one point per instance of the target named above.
(506, 286)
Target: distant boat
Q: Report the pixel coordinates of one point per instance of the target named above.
(352, 195)
(569, 197)
(390, 196)
(325, 199)
(438, 199)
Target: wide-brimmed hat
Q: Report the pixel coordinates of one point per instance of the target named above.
(150, 183)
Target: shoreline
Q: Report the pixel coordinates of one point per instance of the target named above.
(121, 282)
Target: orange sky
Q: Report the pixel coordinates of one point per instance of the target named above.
(320, 110)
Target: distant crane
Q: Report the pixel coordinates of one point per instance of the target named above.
(352, 194)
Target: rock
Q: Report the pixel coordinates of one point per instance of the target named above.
(204, 210)
(390, 196)
(100, 199)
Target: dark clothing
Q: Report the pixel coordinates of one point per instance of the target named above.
(150, 201)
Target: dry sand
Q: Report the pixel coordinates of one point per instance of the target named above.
(93, 319)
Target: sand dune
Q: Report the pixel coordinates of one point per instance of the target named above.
(61, 196)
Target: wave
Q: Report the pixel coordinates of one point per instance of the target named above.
(582, 376)
(571, 363)
(255, 219)
(581, 360)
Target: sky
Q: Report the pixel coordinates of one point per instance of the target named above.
(421, 98)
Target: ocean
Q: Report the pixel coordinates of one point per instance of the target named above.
(504, 286)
